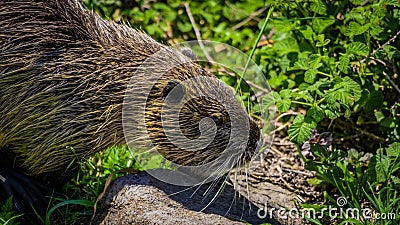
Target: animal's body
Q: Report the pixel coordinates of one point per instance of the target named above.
(63, 76)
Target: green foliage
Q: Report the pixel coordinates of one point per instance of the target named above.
(65, 203)
(339, 59)
(385, 164)
(331, 56)
(328, 59)
(7, 215)
(354, 174)
(83, 190)
(301, 129)
(165, 20)
(90, 180)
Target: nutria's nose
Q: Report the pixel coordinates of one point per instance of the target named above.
(254, 142)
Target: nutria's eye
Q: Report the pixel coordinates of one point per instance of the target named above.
(218, 118)
(174, 90)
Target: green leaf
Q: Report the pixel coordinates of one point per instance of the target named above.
(275, 96)
(286, 93)
(353, 87)
(373, 101)
(337, 156)
(332, 114)
(307, 32)
(300, 64)
(338, 172)
(284, 26)
(379, 116)
(354, 29)
(390, 2)
(379, 168)
(318, 151)
(315, 181)
(283, 105)
(342, 96)
(388, 122)
(300, 131)
(277, 80)
(312, 166)
(184, 27)
(270, 99)
(310, 75)
(321, 41)
(375, 29)
(346, 91)
(314, 61)
(344, 62)
(316, 113)
(347, 113)
(391, 52)
(318, 6)
(319, 25)
(395, 180)
(357, 48)
(304, 94)
(393, 150)
(286, 46)
(220, 28)
(357, 2)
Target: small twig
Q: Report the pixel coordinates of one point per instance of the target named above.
(298, 171)
(251, 16)
(286, 184)
(262, 89)
(386, 75)
(288, 113)
(382, 46)
(197, 32)
(276, 151)
(338, 141)
(366, 133)
(391, 82)
(364, 2)
(282, 144)
(280, 127)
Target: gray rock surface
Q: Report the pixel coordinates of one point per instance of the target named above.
(142, 199)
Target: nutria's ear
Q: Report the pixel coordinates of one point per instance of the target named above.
(174, 90)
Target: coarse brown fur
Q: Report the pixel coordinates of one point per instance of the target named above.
(63, 76)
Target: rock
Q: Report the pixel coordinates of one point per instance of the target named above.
(142, 199)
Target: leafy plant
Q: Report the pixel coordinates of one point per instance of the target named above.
(329, 58)
(358, 177)
(7, 214)
(331, 61)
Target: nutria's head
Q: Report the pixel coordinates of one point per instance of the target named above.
(191, 117)
(70, 69)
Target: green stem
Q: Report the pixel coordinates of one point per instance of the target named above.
(369, 48)
(321, 100)
(325, 74)
(302, 103)
(271, 9)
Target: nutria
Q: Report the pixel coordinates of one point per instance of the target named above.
(64, 73)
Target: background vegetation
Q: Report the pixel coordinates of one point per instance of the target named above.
(335, 62)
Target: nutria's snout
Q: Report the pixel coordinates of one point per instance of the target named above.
(255, 140)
